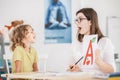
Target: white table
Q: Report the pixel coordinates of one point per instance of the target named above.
(52, 76)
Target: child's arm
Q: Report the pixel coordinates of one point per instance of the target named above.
(35, 67)
(18, 64)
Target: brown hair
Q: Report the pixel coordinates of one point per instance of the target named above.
(16, 22)
(91, 15)
(18, 34)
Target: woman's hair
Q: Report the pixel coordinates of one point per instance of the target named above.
(18, 34)
(91, 15)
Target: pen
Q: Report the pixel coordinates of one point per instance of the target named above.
(78, 61)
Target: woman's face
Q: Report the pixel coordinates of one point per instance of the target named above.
(83, 24)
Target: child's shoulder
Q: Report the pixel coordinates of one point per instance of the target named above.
(19, 48)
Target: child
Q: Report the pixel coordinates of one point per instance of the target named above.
(24, 58)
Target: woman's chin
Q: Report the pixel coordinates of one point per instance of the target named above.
(81, 32)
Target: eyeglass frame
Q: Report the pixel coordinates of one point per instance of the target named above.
(78, 20)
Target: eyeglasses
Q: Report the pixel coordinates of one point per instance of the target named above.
(79, 20)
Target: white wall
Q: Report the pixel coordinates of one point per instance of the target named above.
(32, 12)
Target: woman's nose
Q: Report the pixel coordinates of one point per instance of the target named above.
(78, 25)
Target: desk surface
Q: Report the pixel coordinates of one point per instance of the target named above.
(53, 76)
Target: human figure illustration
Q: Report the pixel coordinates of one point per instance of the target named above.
(57, 16)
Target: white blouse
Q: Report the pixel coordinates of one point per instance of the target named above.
(107, 54)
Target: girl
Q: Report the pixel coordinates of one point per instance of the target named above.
(24, 57)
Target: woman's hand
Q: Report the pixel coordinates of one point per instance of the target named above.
(74, 68)
(105, 67)
(97, 56)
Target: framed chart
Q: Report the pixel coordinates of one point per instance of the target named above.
(113, 31)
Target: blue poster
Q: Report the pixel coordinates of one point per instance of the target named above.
(58, 21)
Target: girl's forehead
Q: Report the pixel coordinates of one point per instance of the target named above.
(29, 28)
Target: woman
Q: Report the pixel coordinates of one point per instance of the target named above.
(87, 23)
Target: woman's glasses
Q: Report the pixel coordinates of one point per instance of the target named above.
(79, 20)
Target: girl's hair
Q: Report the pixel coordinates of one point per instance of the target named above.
(14, 23)
(18, 34)
(91, 15)
(17, 22)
